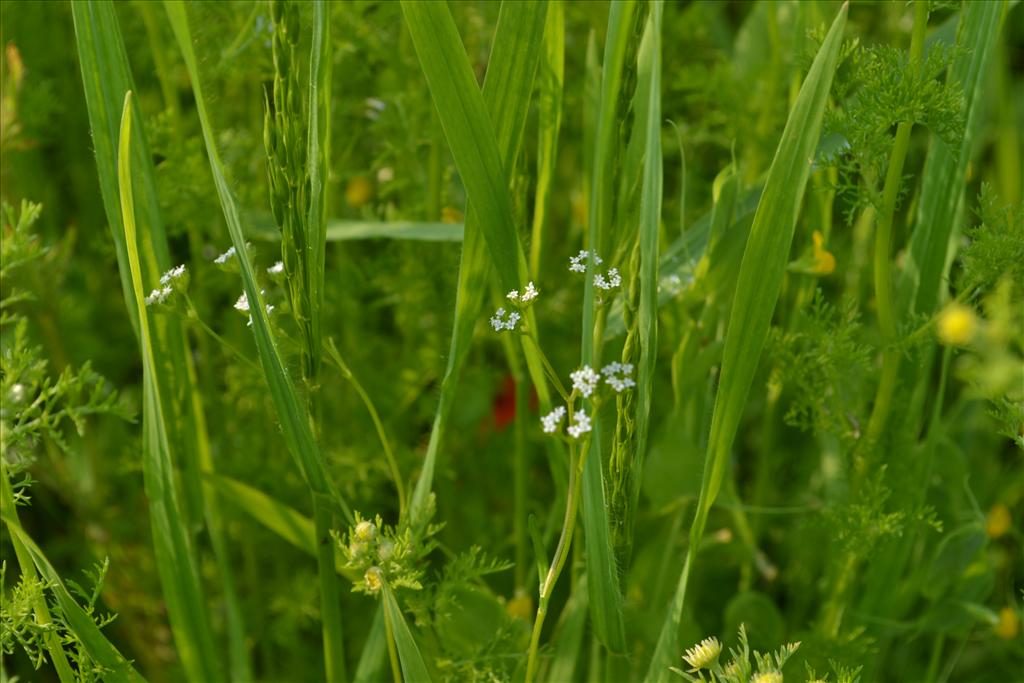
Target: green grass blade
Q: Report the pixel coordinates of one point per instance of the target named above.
(260, 225)
(650, 220)
(106, 78)
(414, 670)
(471, 136)
(945, 170)
(174, 556)
(285, 521)
(317, 159)
(295, 425)
(549, 121)
(101, 650)
(757, 291)
(506, 93)
(602, 576)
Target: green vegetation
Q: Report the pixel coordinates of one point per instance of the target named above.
(512, 341)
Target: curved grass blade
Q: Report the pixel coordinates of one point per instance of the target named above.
(370, 668)
(174, 556)
(757, 291)
(650, 220)
(295, 425)
(505, 98)
(102, 651)
(106, 78)
(414, 670)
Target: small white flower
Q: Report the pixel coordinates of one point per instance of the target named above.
(223, 258)
(243, 303)
(551, 421)
(613, 281)
(385, 174)
(529, 294)
(172, 274)
(499, 322)
(158, 296)
(577, 263)
(277, 268)
(617, 376)
(584, 380)
(580, 424)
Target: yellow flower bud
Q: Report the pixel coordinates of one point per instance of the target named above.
(520, 607)
(998, 522)
(374, 579)
(956, 325)
(450, 214)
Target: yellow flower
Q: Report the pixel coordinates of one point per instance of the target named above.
(956, 325)
(1009, 624)
(358, 192)
(767, 677)
(824, 261)
(704, 654)
(998, 522)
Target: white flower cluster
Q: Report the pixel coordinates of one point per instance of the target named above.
(580, 424)
(277, 268)
(551, 421)
(223, 258)
(529, 294)
(585, 380)
(613, 280)
(243, 305)
(499, 322)
(172, 274)
(577, 263)
(617, 376)
(167, 282)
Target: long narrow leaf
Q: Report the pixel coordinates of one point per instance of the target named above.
(602, 577)
(757, 291)
(175, 560)
(506, 95)
(414, 670)
(106, 78)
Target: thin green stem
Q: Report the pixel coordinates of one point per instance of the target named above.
(330, 594)
(552, 375)
(396, 473)
(558, 561)
(883, 247)
(193, 314)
